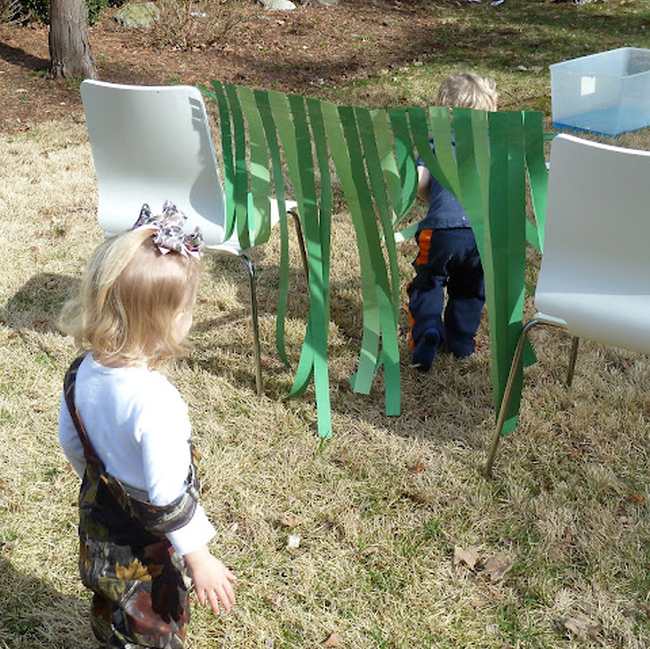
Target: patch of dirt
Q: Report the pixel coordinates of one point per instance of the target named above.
(306, 51)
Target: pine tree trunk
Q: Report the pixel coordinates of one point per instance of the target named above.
(70, 54)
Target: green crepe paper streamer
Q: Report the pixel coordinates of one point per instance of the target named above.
(290, 118)
(259, 198)
(227, 154)
(507, 232)
(420, 131)
(326, 196)
(376, 176)
(403, 152)
(409, 173)
(319, 319)
(282, 116)
(268, 124)
(369, 231)
(325, 225)
(468, 171)
(537, 171)
(443, 137)
(306, 360)
(386, 151)
(480, 155)
(480, 128)
(241, 174)
(362, 380)
(538, 178)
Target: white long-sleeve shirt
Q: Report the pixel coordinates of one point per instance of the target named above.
(139, 427)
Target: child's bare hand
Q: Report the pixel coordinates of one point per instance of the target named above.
(213, 582)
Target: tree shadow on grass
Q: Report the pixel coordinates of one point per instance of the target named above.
(38, 303)
(17, 56)
(36, 616)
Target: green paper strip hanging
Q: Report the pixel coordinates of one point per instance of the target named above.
(241, 174)
(362, 380)
(376, 177)
(472, 196)
(442, 134)
(537, 173)
(326, 202)
(507, 232)
(420, 131)
(368, 231)
(404, 156)
(319, 318)
(268, 123)
(259, 198)
(386, 150)
(291, 121)
(282, 117)
(219, 97)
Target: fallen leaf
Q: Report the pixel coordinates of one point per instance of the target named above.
(418, 467)
(469, 557)
(581, 627)
(637, 499)
(497, 567)
(293, 541)
(333, 640)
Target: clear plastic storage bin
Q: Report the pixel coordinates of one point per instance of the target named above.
(606, 93)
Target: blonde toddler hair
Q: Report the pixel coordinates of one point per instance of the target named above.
(468, 90)
(130, 300)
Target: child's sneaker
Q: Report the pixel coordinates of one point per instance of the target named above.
(425, 351)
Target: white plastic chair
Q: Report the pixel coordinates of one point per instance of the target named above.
(151, 144)
(594, 281)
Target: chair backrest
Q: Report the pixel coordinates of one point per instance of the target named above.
(151, 144)
(595, 272)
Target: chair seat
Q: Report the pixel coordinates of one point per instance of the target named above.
(617, 320)
(232, 247)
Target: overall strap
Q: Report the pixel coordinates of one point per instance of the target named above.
(69, 383)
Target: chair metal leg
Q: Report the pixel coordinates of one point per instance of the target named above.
(573, 357)
(301, 243)
(505, 401)
(250, 269)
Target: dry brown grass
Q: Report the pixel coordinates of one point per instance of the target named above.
(379, 509)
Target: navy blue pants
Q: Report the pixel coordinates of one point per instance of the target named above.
(446, 258)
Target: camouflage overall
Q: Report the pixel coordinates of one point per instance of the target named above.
(140, 593)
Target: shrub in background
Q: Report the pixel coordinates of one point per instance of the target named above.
(196, 24)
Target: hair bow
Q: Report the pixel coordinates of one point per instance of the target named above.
(169, 235)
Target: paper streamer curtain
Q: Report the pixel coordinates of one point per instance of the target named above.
(486, 159)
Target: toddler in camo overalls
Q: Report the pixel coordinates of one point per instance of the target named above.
(125, 429)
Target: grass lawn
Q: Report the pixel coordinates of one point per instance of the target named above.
(391, 511)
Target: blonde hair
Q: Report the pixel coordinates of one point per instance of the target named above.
(130, 299)
(468, 90)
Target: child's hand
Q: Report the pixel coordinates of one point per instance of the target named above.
(213, 582)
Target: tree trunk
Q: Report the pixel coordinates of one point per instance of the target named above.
(70, 54)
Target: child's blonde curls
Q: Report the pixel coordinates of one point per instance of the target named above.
(468, 90)
(130, 300)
